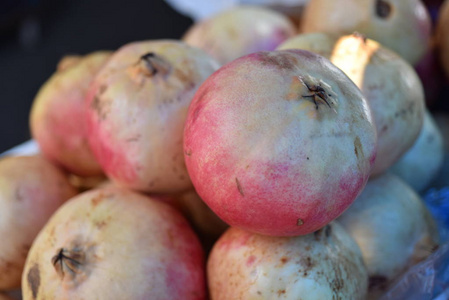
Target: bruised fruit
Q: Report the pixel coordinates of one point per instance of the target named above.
(401, 25)
(390, 85)
(279, 143)
(136, 108)
(393, 228)
(57, 117)
(31, 189)
(326, 264)
(112, 243)
(240, 31)
(423, 161)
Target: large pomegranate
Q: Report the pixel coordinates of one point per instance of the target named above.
(279, 142)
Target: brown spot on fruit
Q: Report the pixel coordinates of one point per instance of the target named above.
(34, 280)
(299, 222)
(280, 292)
(358, 150)
(96, 200)
(285, 61)
(284, 259)
(239, 187)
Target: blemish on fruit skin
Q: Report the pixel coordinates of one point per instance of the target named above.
(299, 222)
(34, 280)
(250, 260)
(285, 259)
(239, 187)
(280, 292)
(281, 61)
(96, 200)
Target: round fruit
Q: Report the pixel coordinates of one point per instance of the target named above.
(403, 26)
(279, 143)
(57, 117)
(112, 243)
(136, 108)
(326, 264)
(240, 31)
(31, 189)
(423, 161)
(393, 228)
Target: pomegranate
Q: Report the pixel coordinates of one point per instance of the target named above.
(136, 109)
(240, 31)
(403, 26)
(423, 161)
(279, 143)
(31, 189)
(393, 228)
(326, 264)
(112, 243)
(58, 113)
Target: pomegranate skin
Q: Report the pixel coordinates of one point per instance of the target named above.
(269, 160)
(136, 109)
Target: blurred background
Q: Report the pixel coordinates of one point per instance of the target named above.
(35, 34)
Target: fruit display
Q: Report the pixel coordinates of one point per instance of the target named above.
(250, 159)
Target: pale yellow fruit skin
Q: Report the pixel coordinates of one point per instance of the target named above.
(131, 244)
(442, 33)
(31, 189)
(391, 86)
(326, 264)
(240, 31)
(406, 30)
(392, 226)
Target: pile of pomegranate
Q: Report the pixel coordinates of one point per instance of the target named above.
(262, 156)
